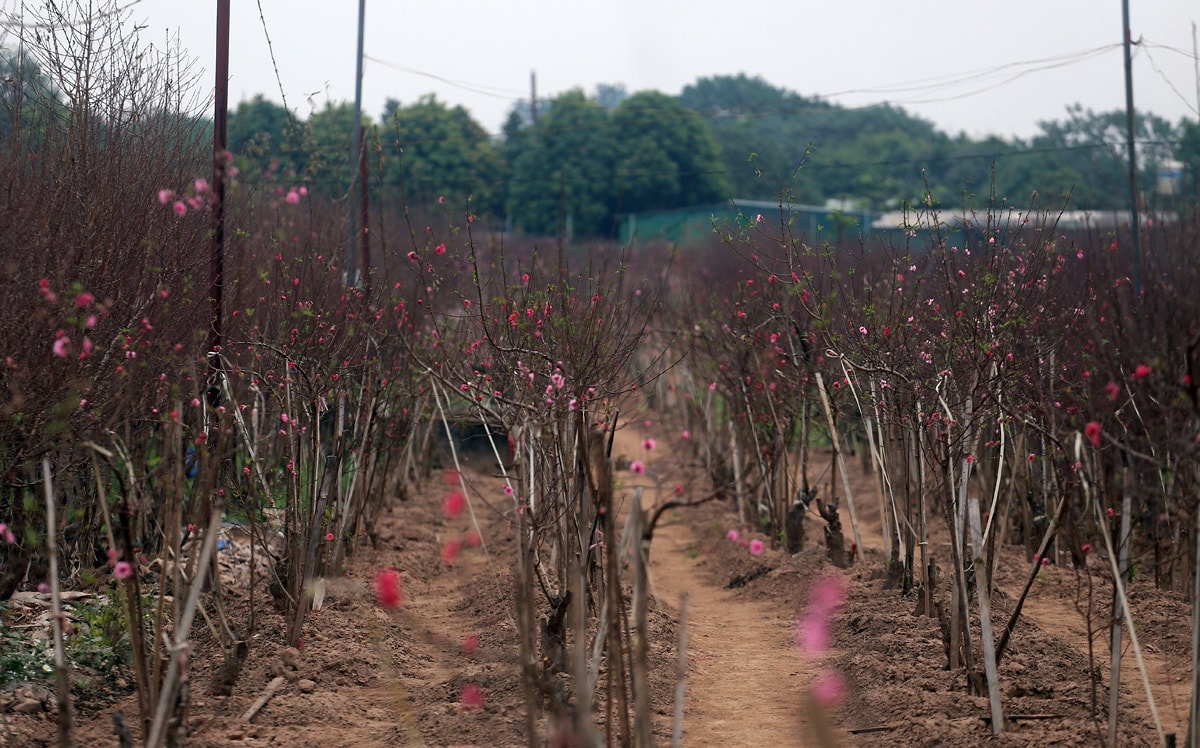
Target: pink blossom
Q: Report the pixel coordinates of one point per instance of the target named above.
(387, 589)
(828, 689)
(1142, 371)
(685, 435)
(84, 299)
(292, 198)
(303, 190)
(180, 208)
(732, 536)
(472, 697)
(440, 249)
(328, 536)
(62, 346)
(87, 349)
(712, 386)
(756, 547)
(201, 186)
(454, 504)
(508, 490)
(122, 570)
(91, 321)
(827, 595)
(165, 196)
(1092, 431)
(649, 444)
(450, 552)
(470, 644)
(638, 467)
(813, 637)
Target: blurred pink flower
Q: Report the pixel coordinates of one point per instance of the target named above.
(122, 570)
(638, 467)
(732, 536)
(180, 208)
(387, 589)
(649, 444)
(472, 697)
(450, 552)
(1092, 431)
(828, 689)
(756, 547)
(686, 435)
(165, 196)
(454, 504)
(62, 346)
(292, 198)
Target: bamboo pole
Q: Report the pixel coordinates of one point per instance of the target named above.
(985, 619)
(62, 666)
(681, 673)
(841, 463)
(1114, 678)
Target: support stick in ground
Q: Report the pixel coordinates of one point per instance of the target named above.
(681, 674)
(1114, 677)
(985, 619)
(62, 673)
(1119, 593)
(837, 453)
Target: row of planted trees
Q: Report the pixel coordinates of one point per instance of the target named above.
(128, 445)
(1008, 383)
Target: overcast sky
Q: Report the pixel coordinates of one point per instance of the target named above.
(979, 67)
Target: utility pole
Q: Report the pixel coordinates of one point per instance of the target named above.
(220, 155)
(1136, 226)
(352, 272)
(533, 95)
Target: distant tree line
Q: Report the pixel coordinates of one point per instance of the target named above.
(588, 160)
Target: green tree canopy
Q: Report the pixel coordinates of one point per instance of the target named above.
(265, 138)
(562, 171)
(664, 155)
(435, 151)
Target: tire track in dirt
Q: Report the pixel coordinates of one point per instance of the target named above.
(745, 681)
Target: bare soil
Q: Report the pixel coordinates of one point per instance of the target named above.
(383, 679)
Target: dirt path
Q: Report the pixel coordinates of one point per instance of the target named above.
(745, 681)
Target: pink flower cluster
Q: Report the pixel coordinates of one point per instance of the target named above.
(814, 637)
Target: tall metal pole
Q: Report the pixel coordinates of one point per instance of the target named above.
(352, 273)
(220, 164)
(533, 96)
(1136, 226)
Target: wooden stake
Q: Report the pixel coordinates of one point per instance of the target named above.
(1114, 678)
(985, 619)
(62, 667)
(680, 674)
(841, 464)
